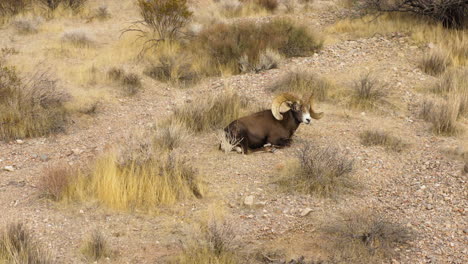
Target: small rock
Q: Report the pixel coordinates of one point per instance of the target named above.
(9, 168)
(19, 141)
(34, 156)
(306, 211)
(249, 200)
(429, 206)
(44, 157)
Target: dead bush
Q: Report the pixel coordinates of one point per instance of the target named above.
(368, 92)
(18, 246)
(226, 44)
(115, 74)
(30, 108)
(27, 26)
(131, 84)
(442, 114)
(382, 138)
(435, 62)
(79, 38)
(362, 237)
(269, 59)
(303, 82)
(214, 244)
(96, 247)
(13, 7)
(319, 171)
(55, 181)
(210, 113)
(170, 135)
(454, 83)
(270, 5)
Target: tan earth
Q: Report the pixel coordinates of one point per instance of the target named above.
(422, 188)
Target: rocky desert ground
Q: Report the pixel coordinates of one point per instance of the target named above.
(403, 202)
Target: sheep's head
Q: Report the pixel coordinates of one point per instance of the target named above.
(302, 109)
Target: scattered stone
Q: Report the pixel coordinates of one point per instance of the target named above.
(429, 206)
(249, 200)
(306, 211)
(44, 157)
(9, 168)
(34, 156)
(19, 141)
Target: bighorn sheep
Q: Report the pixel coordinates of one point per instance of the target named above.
(271, 127)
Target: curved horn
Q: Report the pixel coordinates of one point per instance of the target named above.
(278, 101)
(314, 114)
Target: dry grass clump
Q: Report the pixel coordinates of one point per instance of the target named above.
(18, 246)
(138, 177)
(269, 59)
(130, 83)
(211, 113)
(382, 138)
(170, 135)
(27, 25)
(227, 44)
(227, 142)
(454, 83)
(303, 82)
(96, 247)
(13, 7)
(78, 38)
(368, 92)
(52, 5)
(29, 108)
(319, 171)
(362, 237)
(270, 5)
(101, 13)
(435, 62)
(443, 115)
(215, 244)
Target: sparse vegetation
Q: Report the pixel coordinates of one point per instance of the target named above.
(368, 92)
(435, 62)
(362, 237)
(228, 44)
(442, 114)
(211, 113)
(214, 245)
(78, 38)
(319, 171)
(29, 108)
(96, 247)
(303, 82)
(382, 138)
(27, 26)
(454, 83)
(139, 177)
(18, 246)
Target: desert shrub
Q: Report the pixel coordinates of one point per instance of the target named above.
(55, 181)
(27, 26)
(115, 74)
(442, 114)
(96, 247)
(319, 171)
(270, 5)
(29, 108)
(210, 113)
(382, 138)
(303, 82)
(451, 13)
(79, 38)
(170, 135)
(362, 237)
(52, 5)
(214, 244)
(131, 84)
(226, 44)
(368, 92)
(435, 62)
(13, 7)
(18, 246)
(164, 18)
(454, 83)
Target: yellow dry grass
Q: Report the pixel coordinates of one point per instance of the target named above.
(161, 180)
(453, 42)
